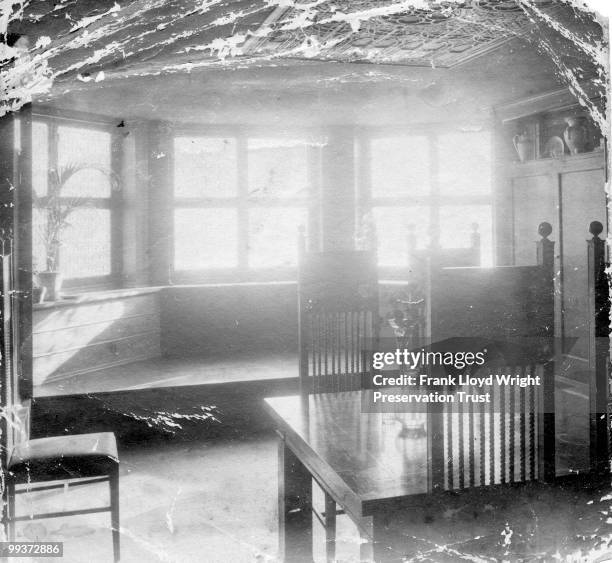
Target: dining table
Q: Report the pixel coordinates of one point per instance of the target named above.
(371, 464)
(379, 467)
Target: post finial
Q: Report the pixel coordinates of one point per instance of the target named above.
(595, 228)
(545, 229)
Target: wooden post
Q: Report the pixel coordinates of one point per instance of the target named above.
(161, 215)
(545, 247)
(545, 306)
(411, 244)
(475, 243)
(338, 197)
(302, 317)
(599, 333)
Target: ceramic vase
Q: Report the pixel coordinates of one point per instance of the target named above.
(575, 134)
(524, 146)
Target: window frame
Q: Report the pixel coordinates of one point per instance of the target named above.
(241, 202)
(54, 120)
(435, 200)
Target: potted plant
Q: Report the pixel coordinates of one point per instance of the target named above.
(58, 209)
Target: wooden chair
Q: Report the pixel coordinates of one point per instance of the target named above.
(512, 306)
(496, 443)
(338, 323)
(79, 459)
(599, 353)
(338, 318)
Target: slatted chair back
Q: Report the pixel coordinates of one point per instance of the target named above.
(511, 437)
(338, 318)
(496, 442)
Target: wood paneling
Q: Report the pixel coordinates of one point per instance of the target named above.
(229, 319)
(485, 302)
(66, 315)
(86, 337)
(582, 200)
(74, 337)
(533, 202)
(95, 356)
(568, 193)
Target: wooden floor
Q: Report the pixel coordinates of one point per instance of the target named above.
(214, 501)
(175, 372)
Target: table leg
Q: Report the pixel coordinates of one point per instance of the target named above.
(366, 553)
(330, 528)
(294, 508)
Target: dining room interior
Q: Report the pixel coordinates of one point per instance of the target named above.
(183, 179)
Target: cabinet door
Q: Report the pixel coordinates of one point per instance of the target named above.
(533, 202)
(582, 200)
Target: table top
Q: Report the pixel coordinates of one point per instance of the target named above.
(370, 461)
(376, 456)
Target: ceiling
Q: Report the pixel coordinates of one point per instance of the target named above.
(316, 43)
(443, 35)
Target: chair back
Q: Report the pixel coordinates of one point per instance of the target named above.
(496, 442)
(338, 318)
(512, 437)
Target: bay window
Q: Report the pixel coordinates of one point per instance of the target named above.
(75, 203)
(438, 184)
(238, 203)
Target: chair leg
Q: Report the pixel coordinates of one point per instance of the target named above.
(114, 502)
(330, 528)
(10, 529)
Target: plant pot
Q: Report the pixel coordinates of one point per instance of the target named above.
(38, 294)
(51, 282)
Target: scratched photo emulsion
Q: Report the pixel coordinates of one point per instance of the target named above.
(298, 281)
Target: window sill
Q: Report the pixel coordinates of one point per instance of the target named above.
(70, 300)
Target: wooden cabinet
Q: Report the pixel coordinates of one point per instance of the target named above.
(569, 194)
(552, 167)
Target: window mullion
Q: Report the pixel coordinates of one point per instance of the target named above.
(115, 203)
(434, 180)
(243, 203)
(53, 155)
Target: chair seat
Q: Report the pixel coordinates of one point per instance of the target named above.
(64, 457)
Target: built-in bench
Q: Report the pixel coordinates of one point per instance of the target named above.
(165, 336)
(175, 372)
(169, 336)
(94, 331)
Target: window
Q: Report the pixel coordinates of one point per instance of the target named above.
(237, 204)
(438, 185)
(465, 180)
(72, 178)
